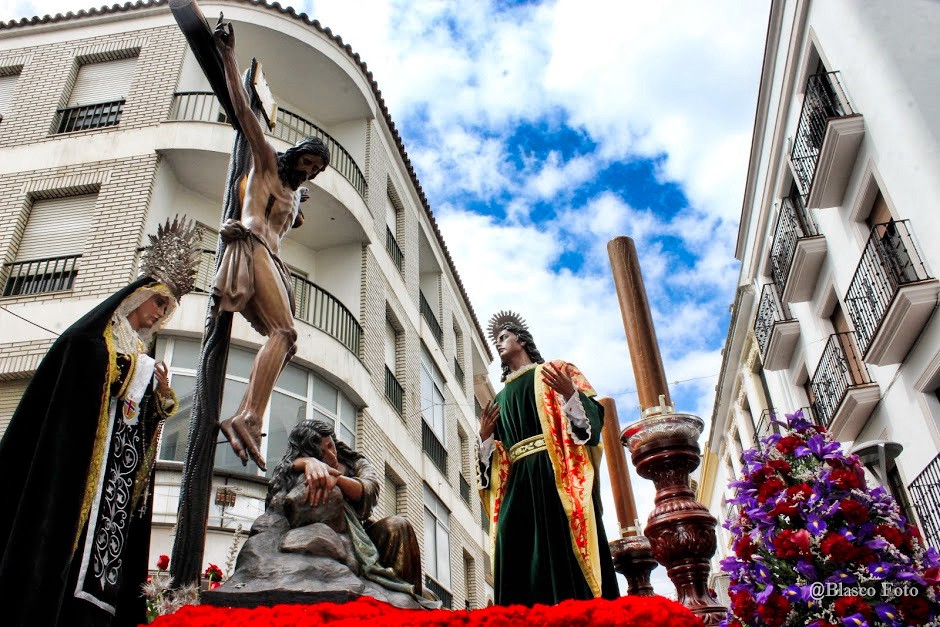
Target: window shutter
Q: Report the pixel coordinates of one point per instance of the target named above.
(7, 87)
(390, 338)
(10, 394)
(57, 227)
(102, 82)
(391, 215)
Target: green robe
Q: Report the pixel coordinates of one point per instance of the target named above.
(534, 561)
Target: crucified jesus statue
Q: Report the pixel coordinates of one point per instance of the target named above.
(252, 278)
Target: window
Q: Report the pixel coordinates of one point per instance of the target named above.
(299, 394)
(392, 232)
(97, 97)
(458, 355)
(392, 494)
(470, 580)
(433, 430)
(205, 271)
(52, 242)
(393, 389)
(900, 494)
(432, 399)
(465, 461)
(8, 76)
(436, 539)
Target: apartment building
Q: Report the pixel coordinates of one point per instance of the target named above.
(108, 127)
(835, 306)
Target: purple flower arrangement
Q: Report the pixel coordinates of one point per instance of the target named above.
(814, 546)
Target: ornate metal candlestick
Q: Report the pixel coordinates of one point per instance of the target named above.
(664, 448)
(632, 553)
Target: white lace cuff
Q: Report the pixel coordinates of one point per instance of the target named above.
(578, 423)
(484, 458)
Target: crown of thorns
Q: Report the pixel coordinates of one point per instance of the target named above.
(173, 255)
(502, 318)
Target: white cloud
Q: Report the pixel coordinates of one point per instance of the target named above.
(553, 175)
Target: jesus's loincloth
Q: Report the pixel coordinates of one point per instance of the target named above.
(233, 287)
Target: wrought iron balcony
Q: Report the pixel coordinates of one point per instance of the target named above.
(447, 599)
(314, 305)
(797, 251)
(202, 106)
(428, 314)
(393, 391)
(765, 426)
(775, 329)
(827, 139)
(891, 296)
(843, 393)
(391, 245)
(464, 489)
(37, 276)
(433, 447)
(925, 492)
(86, 117)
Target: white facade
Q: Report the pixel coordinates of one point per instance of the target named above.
(107, 119)
(835, 309)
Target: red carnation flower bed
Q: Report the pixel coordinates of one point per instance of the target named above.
(625, 611)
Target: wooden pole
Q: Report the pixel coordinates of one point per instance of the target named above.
(664, 448)
(624, 502)
(638, 324)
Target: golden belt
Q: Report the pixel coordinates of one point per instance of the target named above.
(524, 448)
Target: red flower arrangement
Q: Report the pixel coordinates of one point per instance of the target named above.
(626, 611)
(163, 562)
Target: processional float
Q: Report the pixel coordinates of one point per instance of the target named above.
(664, 447)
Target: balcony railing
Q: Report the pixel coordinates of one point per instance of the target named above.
(765, 426)
(464, 489)
(770, 311)
(393, 391)
(925, 492)
(839, 370)
(447, 599)
(314, 305)
(433, 447)
(889, 262)
(201, 106)
(458, 373)
(391, 245)
(85, 117)
(793, 224)
(35, 276)
(823, 100)
(428, 314)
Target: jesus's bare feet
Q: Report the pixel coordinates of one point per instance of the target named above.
(244, 434)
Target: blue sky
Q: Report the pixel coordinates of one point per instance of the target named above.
(540, 130)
